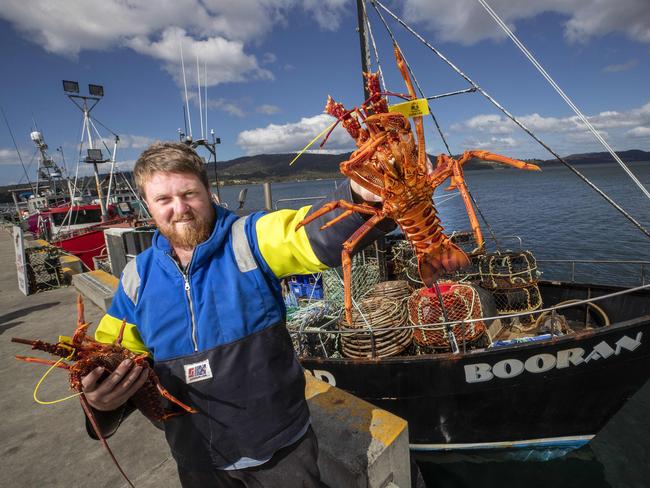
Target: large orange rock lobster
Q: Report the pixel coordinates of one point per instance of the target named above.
(86, 354)
(390, 164)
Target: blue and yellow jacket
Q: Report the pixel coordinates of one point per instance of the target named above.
(216, 331)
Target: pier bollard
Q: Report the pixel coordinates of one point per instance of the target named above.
(360, 445)
(268, 201)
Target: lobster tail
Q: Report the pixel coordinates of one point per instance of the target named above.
(448, 259)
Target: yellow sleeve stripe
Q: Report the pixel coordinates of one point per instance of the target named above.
(109, 328)
(286, 251)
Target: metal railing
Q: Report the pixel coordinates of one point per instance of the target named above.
(574, 262)
(324, 330)
(297, 199)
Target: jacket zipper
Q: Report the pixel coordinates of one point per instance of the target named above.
(186, 278)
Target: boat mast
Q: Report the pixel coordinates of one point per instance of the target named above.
(363, 44)
(94, 156)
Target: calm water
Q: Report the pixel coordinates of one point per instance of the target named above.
(557, 216)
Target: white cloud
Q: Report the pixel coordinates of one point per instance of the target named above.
(9, 156)
(292, 137)
(227, 61)
(218, 31)
(639, 132)
(618, 68)
(466, 22)
(268, 109)
(624, 129)
(610, 119)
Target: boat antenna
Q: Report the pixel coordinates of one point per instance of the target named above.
(198, 88)
(363, 45)
(514, 119)
(187, 104)
(20, 158)
(560, 92)
(205, 86)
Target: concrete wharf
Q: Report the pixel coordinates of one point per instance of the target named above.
(47, 445)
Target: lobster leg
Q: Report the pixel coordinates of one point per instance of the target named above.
(98, 432)
(328, 207)
(346, 261)
(459, 181)
(46, 362)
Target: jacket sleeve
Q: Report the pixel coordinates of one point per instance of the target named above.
(309, 249)
(122, 309)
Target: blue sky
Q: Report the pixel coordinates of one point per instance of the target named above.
(272, 63)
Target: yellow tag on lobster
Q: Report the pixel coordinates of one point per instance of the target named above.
(412, 108)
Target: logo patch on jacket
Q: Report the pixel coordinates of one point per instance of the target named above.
(197, 372)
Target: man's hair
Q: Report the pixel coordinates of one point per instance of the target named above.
(168, 157)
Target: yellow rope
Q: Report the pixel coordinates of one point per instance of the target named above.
(312, 142)
(41, 381)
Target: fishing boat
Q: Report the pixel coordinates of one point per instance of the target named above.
(63, 211)
(529, 365)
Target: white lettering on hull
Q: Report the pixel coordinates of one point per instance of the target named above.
(541, 363)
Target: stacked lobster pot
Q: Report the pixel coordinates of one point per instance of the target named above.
(365, 275)
(378, 323)
(512, 278)
(462, 302)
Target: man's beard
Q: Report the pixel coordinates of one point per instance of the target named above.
(190, 234)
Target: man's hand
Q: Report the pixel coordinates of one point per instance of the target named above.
(369, 197)
(116, 389)
(363, 194)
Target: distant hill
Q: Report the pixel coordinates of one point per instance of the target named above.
(631, 156)
(275, 167)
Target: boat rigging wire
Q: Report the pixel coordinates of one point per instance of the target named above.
(514, 119)
(16, 146)
(560, 92)
(187, 103)
(198, 85)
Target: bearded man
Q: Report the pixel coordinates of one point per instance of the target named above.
(205, 303)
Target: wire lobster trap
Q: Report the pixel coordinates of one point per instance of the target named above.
(512, 279)
(461, 302)
(44, 268)
(405, 264)
(365, 275)
(377, 329)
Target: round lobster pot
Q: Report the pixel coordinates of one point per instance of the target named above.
(517, 300)
(461, 302)
(394, 290)
(507, 269)
(377, 329)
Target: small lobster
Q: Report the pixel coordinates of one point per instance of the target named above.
(390, 164)
(87, 355)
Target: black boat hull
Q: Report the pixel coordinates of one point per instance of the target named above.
(547, 392)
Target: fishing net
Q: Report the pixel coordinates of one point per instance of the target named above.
(376, 330)
(44, 268)
(461, 302)
(305, 326)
